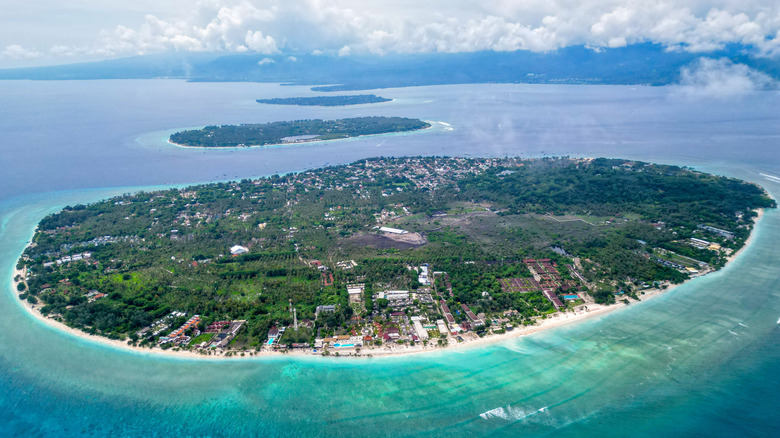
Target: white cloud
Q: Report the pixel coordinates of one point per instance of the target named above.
(721, 79)
(262, 44)
(15, 51)
(410, 26)
(266, 61)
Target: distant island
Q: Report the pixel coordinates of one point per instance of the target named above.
(298, 131)
(359, 99)
(382, 255)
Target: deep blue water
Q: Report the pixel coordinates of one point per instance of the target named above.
(671, 364)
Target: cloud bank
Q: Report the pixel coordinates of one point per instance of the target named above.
(721, 79)
(349, 27)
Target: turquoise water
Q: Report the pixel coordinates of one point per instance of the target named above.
(700, 360)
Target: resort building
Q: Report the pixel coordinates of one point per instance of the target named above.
(418, 327)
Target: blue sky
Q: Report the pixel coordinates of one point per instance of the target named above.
(55, 31)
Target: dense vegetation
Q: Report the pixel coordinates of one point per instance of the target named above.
(357, 99)
(618, 224)
(294, 131)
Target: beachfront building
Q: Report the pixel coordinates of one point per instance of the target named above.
(418, 328)
(178, 336)
(475, 321)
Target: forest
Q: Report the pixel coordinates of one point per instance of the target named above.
(293, 131)
(356, 99)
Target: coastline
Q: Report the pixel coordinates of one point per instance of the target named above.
(179, 145)
(581, 313)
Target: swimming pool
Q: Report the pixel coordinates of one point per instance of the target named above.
(343, 345)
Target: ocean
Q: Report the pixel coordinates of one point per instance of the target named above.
(701, 360)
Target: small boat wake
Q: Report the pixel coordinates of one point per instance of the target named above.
(770, 177)
(447, 126)
(510, 413)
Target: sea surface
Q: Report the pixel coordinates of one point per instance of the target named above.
(701, 360)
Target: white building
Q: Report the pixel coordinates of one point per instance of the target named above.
(423, 277)
(421, 332)
(355, 292)
(394, 295)
(392, 230)
(442, 326)
(355, 289)
(238, 250)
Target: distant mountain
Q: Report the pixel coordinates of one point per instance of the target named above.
(637, 64)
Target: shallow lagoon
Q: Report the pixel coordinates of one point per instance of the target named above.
(701, 360)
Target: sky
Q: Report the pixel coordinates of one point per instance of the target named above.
(43, 32)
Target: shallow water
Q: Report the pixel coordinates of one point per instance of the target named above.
(700, 360)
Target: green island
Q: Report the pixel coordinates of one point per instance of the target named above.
(381, 254)
(357, 99)
(298, 131)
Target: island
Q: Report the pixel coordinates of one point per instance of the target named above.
(381, 255)
(355, 99)
(298, 131)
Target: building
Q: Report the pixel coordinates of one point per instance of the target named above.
(394, 295)
(699, 243)
(442, 326)
(392, 230)
(391, 333)
(423, 277)
(421, 332)
(723, 233)
(445, 310)
(553, 298)
(329, 308)
(475, 321)
(355, 292)
(238, 250)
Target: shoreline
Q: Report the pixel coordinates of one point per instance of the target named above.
(583, 312)
(179, 145)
